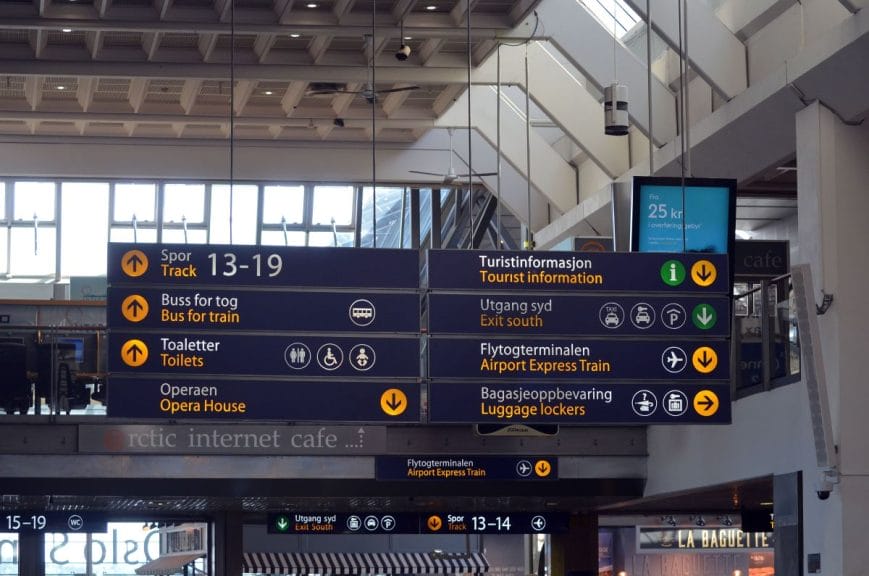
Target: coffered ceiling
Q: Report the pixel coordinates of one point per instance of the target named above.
(261, 69)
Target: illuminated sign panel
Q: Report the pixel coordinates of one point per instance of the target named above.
(246, 332)
(694, 215)
(578, 338)
(448, 522)
(702, 539)
(422, 468)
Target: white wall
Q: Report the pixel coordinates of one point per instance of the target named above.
(785, 36)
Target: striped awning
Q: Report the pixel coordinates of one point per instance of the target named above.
(338, 563)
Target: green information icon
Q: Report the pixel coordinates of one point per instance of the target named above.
(704, 316)
(673, 273)
(282, 523)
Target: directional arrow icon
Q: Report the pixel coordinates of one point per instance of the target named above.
(706, 403)
(282, 524)
(704, 359)
(393, 402)
(704, 273)
(542, 468)
(704, 316)
(134, 308)
(134, 263)
(134, 353)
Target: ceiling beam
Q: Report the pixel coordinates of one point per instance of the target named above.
(146, 118)
(42, 6)
(342, 8)
(446, 98)
(206, 44)
(282, 8)
(224, 9)
(38, 41)
(94, 42)
(241, 94)
(402, 8)
(291, 98)
(162, 7)
(394, 100)
(85, 92)
(430, 49)
(459, 13)
(341, 102)
(102, 7)
(318, 46)
(138, 91)
(33, 91)
(419, 25)
(151, 44)
(263, 72)
(189, 93)
(263, 45)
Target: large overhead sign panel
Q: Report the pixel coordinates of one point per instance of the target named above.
(244, 332)
(578, 338)
(335, 335)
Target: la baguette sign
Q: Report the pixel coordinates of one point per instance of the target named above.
(252, 439)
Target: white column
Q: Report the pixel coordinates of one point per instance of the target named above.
(833, 206)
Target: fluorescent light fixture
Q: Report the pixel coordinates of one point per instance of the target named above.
(268, 92)
(311, 4)
(61, 87)
(66, 30)
(295, 35)
(431, 7)
(408, 37)
(743, 234)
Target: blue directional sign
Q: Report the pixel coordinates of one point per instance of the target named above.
(552, 314)
(546, 359)
(231, 399)
(287, 356)
(319, 522)
(578, 272)
(539, 402)
(217, 265)
(453, 468)
(240, 309)
(40, 521)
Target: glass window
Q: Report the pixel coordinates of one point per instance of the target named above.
(84, 228)
(135, 201)
(179, 236)
(2, 201)
(333, 202)
(143, 235)
(287, 202)
(243, 214)
(276, 238)
(33, 251)
(34, 200)
(323, 238)
(9, 552)
(184, 202)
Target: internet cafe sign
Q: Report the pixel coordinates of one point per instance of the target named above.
(231, 439)
(701, 539)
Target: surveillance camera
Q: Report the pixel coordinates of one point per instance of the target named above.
(403, 52)
(827, 479)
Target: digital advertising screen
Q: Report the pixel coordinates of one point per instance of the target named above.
(670, 215)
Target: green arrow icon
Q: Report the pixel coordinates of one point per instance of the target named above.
(704, 316)
(282, 523)
(673, 273)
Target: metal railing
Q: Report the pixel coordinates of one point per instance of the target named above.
(766, 340)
